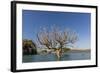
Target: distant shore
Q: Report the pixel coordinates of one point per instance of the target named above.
(79, 50)
(70, 51)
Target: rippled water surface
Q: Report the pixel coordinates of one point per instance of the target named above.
(52, 57)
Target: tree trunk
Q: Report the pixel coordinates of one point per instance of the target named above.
(58, 53)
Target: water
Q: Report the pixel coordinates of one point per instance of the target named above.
(52, 57)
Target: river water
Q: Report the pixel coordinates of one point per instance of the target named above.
(85, 55)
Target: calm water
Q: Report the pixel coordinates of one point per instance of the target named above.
(52, 57)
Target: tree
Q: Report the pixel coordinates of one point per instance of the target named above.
(29, 47)
(65, 37)
(44, 38)
(47, 38)
(56, 38)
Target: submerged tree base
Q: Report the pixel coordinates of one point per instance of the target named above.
(66, 56)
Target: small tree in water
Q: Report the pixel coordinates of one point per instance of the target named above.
(56, 39)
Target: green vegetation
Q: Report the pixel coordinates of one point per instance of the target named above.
(66, 49)
(29, 48)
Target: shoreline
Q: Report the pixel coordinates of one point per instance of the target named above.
(79, 50)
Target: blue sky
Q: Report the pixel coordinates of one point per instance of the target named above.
(78, 22)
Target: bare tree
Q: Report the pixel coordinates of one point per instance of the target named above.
(56, 38)
(44, 38)
(63, 37)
